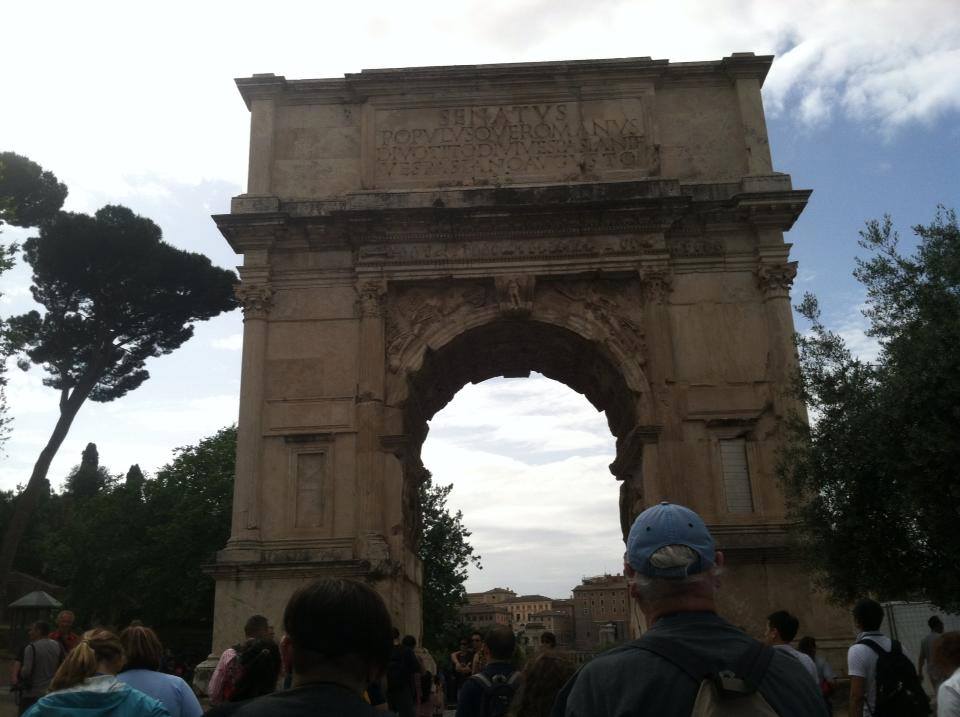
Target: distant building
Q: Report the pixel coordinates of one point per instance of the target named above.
(496, 595)
(522, 607)
(559, 622)
(601, 611)
(484, 616)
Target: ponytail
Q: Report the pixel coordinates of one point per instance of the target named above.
(83, 660)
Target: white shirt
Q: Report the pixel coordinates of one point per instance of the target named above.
(948, 696)
(862, 662)
(805, 660)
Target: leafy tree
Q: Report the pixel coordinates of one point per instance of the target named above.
(115, 295)
(29, 196)
(89, 477)
(873, 479)
(446, 554)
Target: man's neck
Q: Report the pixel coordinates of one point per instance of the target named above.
(655, 611)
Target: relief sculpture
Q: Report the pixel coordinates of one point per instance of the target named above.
(413, 310)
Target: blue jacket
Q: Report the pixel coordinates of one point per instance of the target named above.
(100, 696)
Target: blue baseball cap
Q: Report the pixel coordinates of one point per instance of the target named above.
(669, 524)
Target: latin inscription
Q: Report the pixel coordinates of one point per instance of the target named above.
(505, 143)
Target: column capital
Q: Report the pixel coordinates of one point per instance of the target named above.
(371, 298)
(256, 300)
(775, 279)
(656, 281)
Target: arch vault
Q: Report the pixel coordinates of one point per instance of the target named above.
(615, 225)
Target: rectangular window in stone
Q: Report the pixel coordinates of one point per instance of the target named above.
(736, 475)
(310, 489)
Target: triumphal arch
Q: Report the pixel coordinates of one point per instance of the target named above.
(616, 225)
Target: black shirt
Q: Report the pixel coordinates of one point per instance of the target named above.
(322, 699)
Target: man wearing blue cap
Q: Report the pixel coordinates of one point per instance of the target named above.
(673, 568)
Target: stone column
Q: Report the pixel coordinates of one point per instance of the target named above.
(256, 297)
(371, 298)
(656, 281)
(775, 276)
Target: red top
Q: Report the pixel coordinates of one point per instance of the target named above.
(69, 640)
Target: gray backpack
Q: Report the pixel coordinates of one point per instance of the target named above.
(723, 693)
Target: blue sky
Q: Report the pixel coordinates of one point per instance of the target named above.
(136, 105)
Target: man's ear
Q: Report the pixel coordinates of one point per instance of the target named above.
(630, 574)
(286, 651)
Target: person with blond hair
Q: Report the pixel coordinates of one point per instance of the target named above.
(142, 671)
(86, 684)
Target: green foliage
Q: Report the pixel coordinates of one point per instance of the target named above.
(115, 295)
(29, 196)
(446, 554)
(873, 479)
(89, 477)
(135, 549)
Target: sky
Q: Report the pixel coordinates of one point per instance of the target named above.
(135, 103)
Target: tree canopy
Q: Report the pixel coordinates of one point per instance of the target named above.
(446, 554)
(115, 294)
(873, 478)
(29, 196)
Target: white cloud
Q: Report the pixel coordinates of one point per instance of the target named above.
(561, 513)
(233, 342)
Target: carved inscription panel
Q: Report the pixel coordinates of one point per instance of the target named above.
(508, 143)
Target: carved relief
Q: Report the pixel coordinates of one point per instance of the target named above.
(371, 298)
(775, 280)
(475, 251)
(414, 309)
(614, 306)
(515, 293)
(255, 299)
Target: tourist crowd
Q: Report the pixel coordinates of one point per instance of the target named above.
(339, 655)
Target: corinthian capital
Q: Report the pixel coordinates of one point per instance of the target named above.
(775, 280)
(371, 296)
(656, 282)
(255, 299)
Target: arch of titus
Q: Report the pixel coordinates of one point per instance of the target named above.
(616, 225)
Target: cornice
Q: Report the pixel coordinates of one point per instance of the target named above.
(363, 85)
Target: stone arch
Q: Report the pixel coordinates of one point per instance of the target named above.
(586, 334)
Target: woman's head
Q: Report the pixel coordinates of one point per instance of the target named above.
(544, 678)
(142, 648)
(259, 669)
(98, 651)
(946, 651)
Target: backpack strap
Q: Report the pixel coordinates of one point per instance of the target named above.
(750, 668)
(679, 656)
(483, 680)
(876, 648)
(753, 664)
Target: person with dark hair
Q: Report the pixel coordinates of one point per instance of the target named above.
(926, 653)
(403, 676)
(41, 658)
(462, 661)
(259, 665)
(548, 641)
(86, 684)
(543, 679)
(224, 677)
(825, 674)
(489, 693)
(144, 653)
(782, 627)
(674, 570)
(479, 653)
(863, 658)
(337, 642)
(946, 656)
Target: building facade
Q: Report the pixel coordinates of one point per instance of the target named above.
(601, 608)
